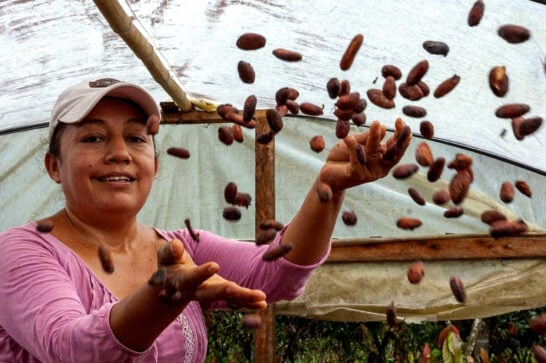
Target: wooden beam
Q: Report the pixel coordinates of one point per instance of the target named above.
(264, 337)
(449, 247)
(199, 117)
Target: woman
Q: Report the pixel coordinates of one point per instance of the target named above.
(58, 302)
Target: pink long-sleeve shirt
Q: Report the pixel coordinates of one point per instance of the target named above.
(54, 309)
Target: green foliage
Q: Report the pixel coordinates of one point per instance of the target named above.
(302, 340)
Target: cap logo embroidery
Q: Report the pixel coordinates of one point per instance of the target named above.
(103, 83)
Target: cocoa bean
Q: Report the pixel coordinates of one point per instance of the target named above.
(351, 51)
(237, 132)
(378, 98)
(505, 228)
(311, 109)
(441, 197)
(277, 252)
(266, 236)
(391, 70)
(512, 110)
(224, 109)
(250, 41)
(360, 106)
(179, 152)
(359, 119)
(453, 212)
(292, 106)
(475, 14)
(274, 119)
(507, 192)
(225, 135)
(423, 86)
(423, 154)
(412, 93)
(345, 87)
(265, 137)
(446, 86)
(460, 162)
(523, 127)
(417, 72)
(414, 111)
(499, 81)
(342, 128)
(270, 223)
(348, 101)
(230, 192)
(436, 47)
(459, 186)
(333, 86)
(242, 200)
(457, 288)
(491, 216)
(246, 72)
(349, 218)
(287, 55)
(523, 188)
(435, 170)
(426, 128)
(281, 96)
(416, 196)
(317, 143)
(513, 33)
(404, 171)
(345, 115)
(416, 272)
(249, 108)
(231, 213)
(408, 223)
(389, 87)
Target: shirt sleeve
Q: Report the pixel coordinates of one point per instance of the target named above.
(41, 310)
(241, 262)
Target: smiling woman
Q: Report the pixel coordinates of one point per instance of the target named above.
(93, 274)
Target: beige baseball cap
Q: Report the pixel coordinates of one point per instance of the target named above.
(74, 103)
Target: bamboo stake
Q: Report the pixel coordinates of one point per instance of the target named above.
(124, 25)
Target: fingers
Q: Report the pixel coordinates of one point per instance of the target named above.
(375, 135)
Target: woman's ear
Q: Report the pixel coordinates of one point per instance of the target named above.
(52, 167)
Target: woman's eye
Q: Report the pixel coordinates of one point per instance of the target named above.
(137, 139)
(92, 138)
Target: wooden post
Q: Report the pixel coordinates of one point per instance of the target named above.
(264, 337)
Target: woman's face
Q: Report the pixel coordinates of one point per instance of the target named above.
(107, 161)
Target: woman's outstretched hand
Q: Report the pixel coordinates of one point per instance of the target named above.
(180, 280)
(362, 158)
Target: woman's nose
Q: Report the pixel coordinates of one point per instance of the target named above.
(117, 151)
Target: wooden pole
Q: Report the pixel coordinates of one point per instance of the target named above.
(264, 337)
(124, 26)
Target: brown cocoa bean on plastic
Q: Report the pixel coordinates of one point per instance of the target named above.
(416, 196)
(179, 152)
(460, 162)
(507, 192)
(287, 55)
(230, 192)
(237, 132)
(417, 72)
(246, 72)
(360, 106)
(512, 110)
(389, 87)
(426, 128)
(265, 137)
(412, 93)
(416, 272)
(281, 96)
(317, 143)
(224, 109)
(378, 98)
(499, 81)
(423, 154)
(225, 135)
(270, 223)
(523, 188)
(491, 216)
(514, 33)
(408, 223)
(333, 87)
(277, 252)
(349, 218)
(274, 119)
(476, 12)
(250, 41)
(523, 127)
(436, 169)
(453, 212)
(359, 119)
(350, 53)
(459, 186)
(293, 107)
(348, 101)
(404, 171)
(242, 200)
(414, 111)
(266, 236)
(345, 87)
(311, 109)
(231, 213)
(441, 197)
(391, 70)
(423, 86)
(447, 86)
(436, 47)
(506, 228)
(343, 114)
(457, 288)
